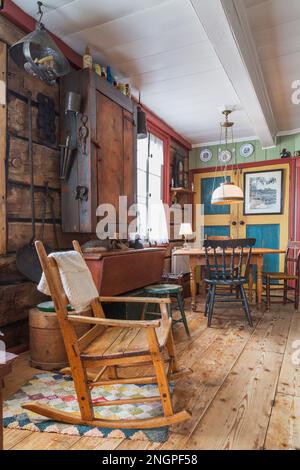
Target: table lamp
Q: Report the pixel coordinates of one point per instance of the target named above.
(186, 230)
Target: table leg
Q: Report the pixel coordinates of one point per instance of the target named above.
(259, 281)
(250, 284)
(193, 285)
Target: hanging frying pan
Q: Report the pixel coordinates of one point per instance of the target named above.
(27, 259)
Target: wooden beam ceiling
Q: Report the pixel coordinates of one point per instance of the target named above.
(226, 25)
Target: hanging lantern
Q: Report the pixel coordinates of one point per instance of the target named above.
(141, 124)
(38, 54)
(227, 193)
(142, 131)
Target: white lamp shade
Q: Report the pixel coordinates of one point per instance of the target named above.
(186, 229)
(227, 193)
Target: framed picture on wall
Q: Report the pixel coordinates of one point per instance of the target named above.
(263, 192)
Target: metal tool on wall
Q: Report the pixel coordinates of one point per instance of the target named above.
(27, 260)
(72, 109)
(83, 134)
(49, 198)
(66, 159)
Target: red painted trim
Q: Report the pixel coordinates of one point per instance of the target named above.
(241, 166)
(154, 120)
(297, 199)
(25, 22)
(166, 171)
(293, 200)
(294, 187)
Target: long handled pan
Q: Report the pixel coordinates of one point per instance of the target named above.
(27, 260)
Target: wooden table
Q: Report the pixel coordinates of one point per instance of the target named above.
(197, 258)
(4, 370)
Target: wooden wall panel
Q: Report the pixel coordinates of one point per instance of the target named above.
(46, 168)
(8, 270)
(17, 119)
(19, 234)
(21, 82)
(9, 33)
(3, 54)
(19, 203)
(45, 162)
(17, 299)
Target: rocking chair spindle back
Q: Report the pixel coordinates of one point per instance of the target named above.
(109, 345)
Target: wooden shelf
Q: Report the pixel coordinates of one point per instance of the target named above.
(182, 191)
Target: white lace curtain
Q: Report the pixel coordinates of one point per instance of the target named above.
(152, 223)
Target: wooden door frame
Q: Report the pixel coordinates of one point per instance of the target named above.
(294, 189)
(3, 130)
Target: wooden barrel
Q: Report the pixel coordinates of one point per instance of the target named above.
(47, 350)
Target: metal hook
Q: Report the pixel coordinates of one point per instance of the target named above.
(40, 11)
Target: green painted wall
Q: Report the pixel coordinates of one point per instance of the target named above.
(290, 142)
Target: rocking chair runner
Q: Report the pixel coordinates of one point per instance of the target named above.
(108, 345)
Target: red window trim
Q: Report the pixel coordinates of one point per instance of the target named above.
(294, 225)
(164, 132)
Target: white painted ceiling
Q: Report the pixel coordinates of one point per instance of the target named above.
(163, 50)
(275, 26)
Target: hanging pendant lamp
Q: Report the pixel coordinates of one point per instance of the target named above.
(142, 131)
(227, 192)
(38, 54)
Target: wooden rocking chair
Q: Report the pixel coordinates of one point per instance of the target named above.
(107, 346)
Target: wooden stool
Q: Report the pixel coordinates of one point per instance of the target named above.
(167, 290)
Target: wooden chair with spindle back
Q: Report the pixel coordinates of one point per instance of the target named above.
(227, 264)
(214, 237)
(290, 277)
(109, 345)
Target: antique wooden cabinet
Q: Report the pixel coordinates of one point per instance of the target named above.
(103, 164)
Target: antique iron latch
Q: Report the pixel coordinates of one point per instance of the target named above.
(82, 193)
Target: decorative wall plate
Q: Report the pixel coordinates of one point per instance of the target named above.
(225, 156)
(205, 155)
(246, 150)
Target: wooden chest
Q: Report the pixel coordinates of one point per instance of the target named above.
(118, 272)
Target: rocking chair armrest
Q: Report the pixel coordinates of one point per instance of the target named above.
(137, 300)
(114, 322)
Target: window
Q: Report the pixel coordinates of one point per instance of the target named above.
(152, 225)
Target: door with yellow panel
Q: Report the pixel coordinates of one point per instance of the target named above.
(217, 220)
(265, 212)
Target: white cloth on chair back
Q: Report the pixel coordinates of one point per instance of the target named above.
(76, 279)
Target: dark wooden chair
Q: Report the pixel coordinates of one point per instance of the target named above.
(290, 278)
(227, 265)
(214, 237)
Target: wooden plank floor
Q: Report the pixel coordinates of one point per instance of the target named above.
(244, 392)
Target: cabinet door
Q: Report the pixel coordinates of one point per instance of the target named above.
(110, 164)
(129, 140)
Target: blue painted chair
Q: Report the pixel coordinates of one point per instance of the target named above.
(167, 290)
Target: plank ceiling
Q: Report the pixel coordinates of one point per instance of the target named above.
(162, 49)
(275, 26)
